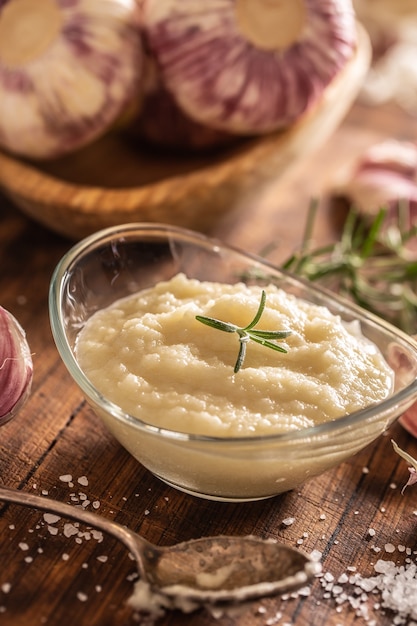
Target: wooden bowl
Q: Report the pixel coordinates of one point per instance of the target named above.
(111, 182)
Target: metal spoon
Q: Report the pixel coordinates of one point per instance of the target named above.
(205, 571)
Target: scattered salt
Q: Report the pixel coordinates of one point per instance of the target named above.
(70, 530)
(82, 596)
(97, 535)
(23, 546)
(66, 478)
(102, 558)
(316, 555)
(50, 518)
(393, 587)
(288, 521)
(83, 480)
(389, 547)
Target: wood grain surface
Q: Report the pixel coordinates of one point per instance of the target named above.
(60, 575)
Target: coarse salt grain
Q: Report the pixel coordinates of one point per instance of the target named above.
(102, 558)
(82, 596)
(70, 530)
(393, 587)
(50, 518)
(288, 521)
(389, 547)
(66, 478)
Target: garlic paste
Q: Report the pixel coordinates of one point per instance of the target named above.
(148, 354)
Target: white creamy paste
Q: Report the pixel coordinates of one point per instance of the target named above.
(148, 354)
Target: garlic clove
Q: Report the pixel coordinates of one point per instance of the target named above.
(68, 70)
(16, 366)
(249, 66)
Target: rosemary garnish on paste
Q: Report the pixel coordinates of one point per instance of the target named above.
(266, 338)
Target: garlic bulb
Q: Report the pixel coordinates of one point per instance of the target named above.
(68, 69)
(16, 367)
(248, 66)
(385, 175)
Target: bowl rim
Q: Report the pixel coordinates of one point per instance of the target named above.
(56, 289)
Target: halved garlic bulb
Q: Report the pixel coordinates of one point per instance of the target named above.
(68, 70)
(16, 367)
(248, 66)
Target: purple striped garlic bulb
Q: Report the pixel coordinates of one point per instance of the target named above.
(68, 70)
(385, 175)
(16, 367)
(248, 66)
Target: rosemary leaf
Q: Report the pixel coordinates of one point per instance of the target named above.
(247, 333)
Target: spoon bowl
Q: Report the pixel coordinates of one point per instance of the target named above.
(208, 570)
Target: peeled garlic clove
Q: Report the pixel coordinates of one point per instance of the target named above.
(249, 66)
(16, 367)
(68, 69)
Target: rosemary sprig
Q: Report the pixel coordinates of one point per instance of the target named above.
(370, 264)
(266, 338)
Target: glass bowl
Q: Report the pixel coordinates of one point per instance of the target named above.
(120, 261)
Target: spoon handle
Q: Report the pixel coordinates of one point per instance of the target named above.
(131, 540)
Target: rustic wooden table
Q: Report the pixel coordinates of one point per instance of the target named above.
(57, 574)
